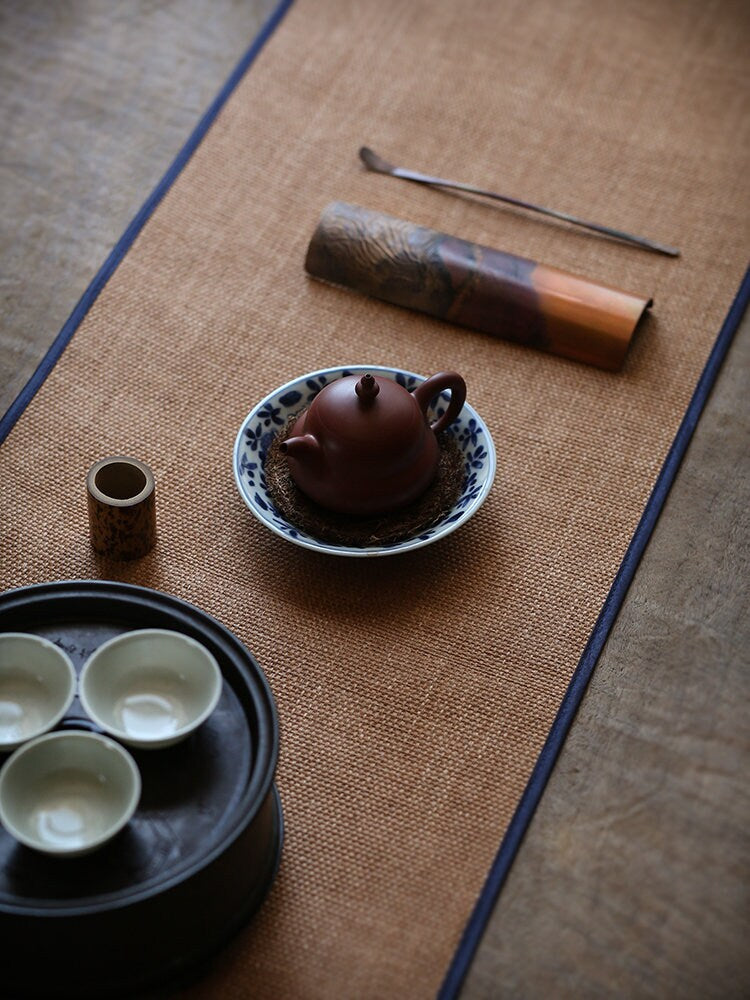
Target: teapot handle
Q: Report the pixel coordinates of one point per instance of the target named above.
(426, 392)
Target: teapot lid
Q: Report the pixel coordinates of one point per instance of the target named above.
(368, 414)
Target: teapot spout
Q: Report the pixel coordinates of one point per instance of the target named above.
(303, 447)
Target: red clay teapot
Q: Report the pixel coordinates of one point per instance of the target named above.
(364, 446)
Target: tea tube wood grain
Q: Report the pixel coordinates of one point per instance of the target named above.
(473, 285)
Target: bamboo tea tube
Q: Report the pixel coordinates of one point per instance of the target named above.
(122, 512)
(474, 286)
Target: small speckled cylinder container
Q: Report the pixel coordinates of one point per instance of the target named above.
(122, 508)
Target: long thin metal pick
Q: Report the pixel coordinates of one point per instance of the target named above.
(374, 162)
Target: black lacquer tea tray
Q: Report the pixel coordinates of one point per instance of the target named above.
(197, 858)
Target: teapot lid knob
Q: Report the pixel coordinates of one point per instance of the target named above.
(367, 388)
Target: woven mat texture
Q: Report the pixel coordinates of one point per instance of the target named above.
(415, 692)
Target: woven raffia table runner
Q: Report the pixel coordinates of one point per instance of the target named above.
(415, 693)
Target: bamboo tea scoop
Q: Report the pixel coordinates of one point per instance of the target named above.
(374, 162)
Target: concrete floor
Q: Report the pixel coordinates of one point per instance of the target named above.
(97, 99)
(633, 878)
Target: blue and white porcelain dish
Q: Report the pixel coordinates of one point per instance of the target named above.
(268, 417)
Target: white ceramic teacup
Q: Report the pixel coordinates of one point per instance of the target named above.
(68, 793)
(37, 686)
(151, 687)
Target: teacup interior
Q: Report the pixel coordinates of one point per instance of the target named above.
(26, 703)
(37, 685)
(67, 808)
(67, 795)
(153, 704)
(150, 686)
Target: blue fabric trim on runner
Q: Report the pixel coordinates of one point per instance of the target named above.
(474, 929)
(91, 294)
